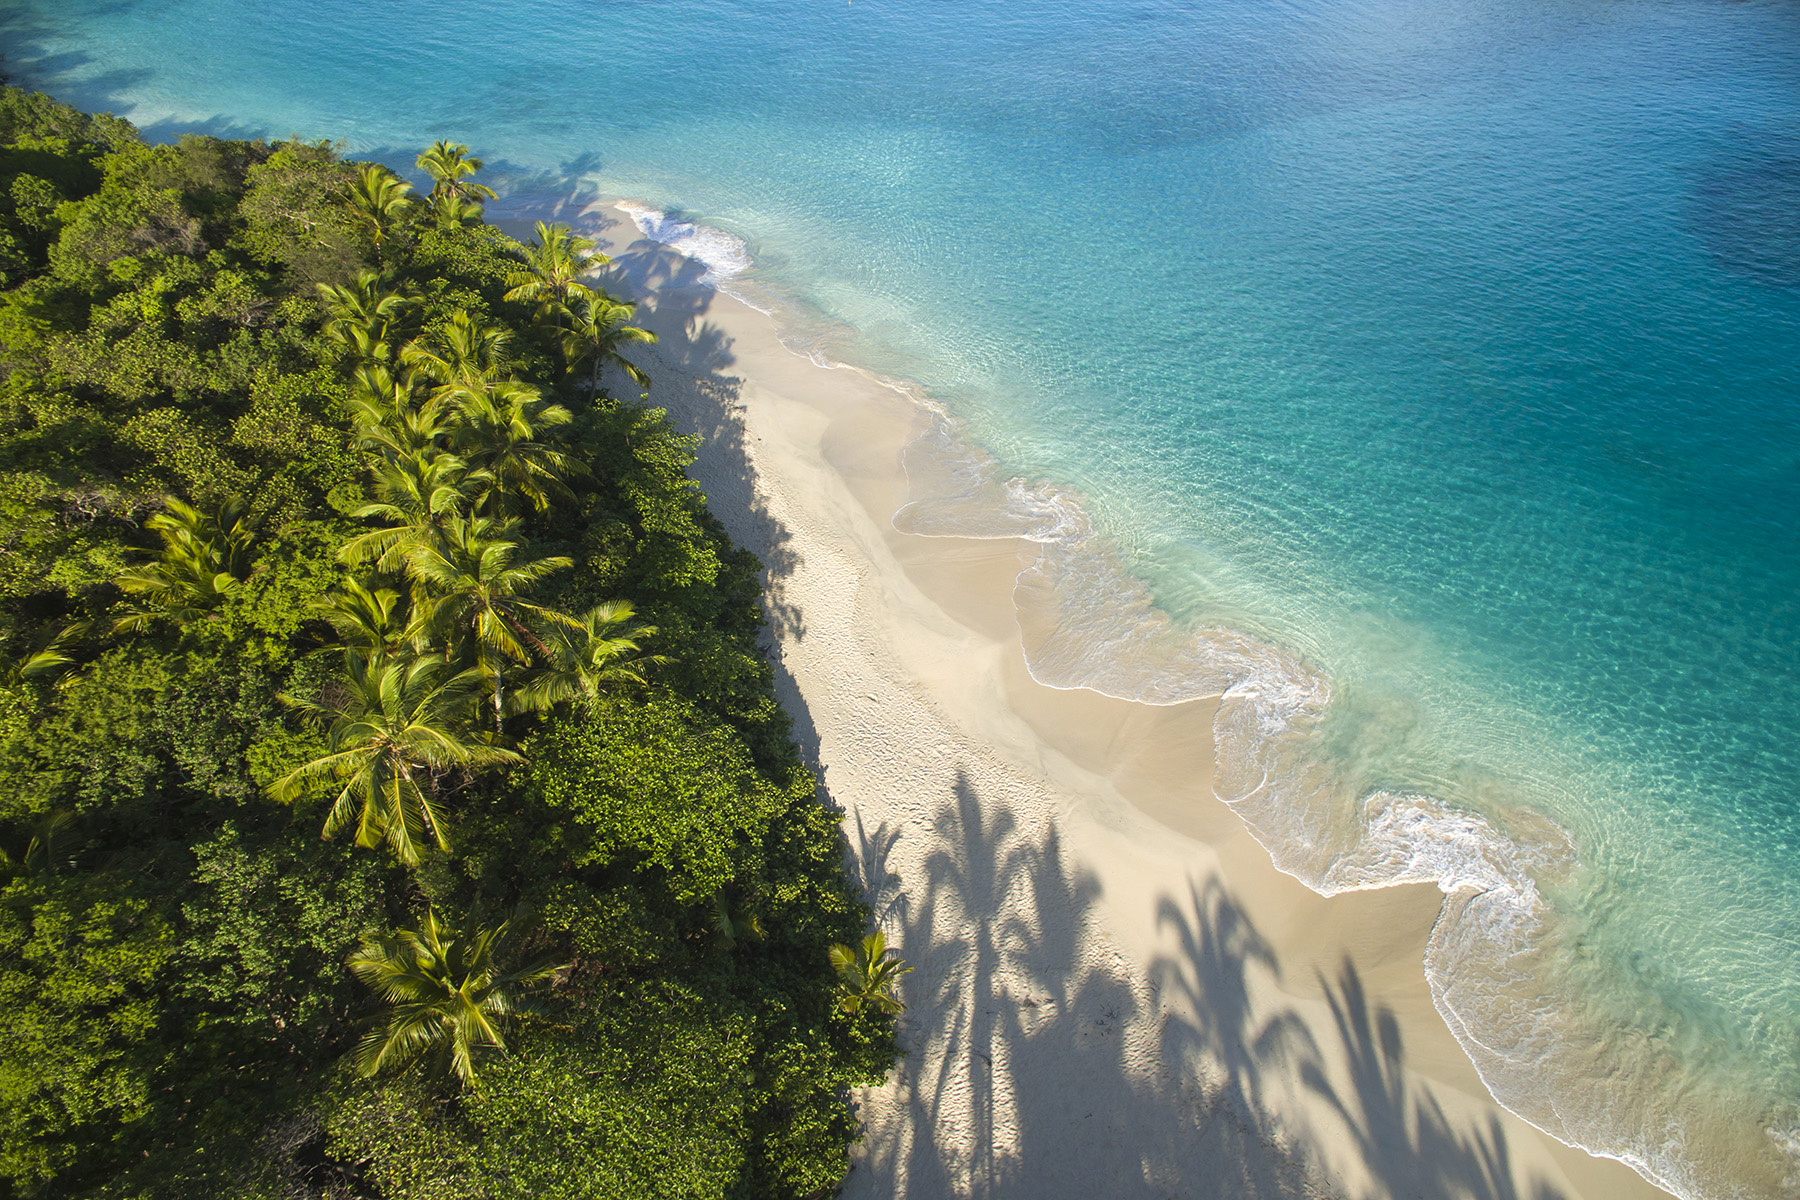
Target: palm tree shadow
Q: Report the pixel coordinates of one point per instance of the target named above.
(1410, 1146)
(868, 861)
(26, 61)
(1036, 1060)
(1029, 1063)
(689, 367)
(1209, 979)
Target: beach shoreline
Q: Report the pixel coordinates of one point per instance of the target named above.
(1115, 991)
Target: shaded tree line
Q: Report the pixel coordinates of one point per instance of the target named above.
(316, 518)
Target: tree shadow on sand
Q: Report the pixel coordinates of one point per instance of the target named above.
(690, 367)
(1406, 1140)
(1031, 1065)
(1037, 1063)
(882, 888)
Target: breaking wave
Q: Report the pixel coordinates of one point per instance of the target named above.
(724, 255)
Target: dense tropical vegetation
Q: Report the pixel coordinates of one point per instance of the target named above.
(395, 802)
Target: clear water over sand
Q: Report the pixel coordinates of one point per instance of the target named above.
(1428, 377)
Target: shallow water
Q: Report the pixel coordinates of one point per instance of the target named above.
(1428, 378)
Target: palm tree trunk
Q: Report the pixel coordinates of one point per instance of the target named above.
(531, 638)
(475, 632)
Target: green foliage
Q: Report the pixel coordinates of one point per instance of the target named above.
(567, 1116)
(294, 214)
(266, 917)
(659, 787)
(450, 993)
(82, 991)
(105, 740)
(25, 116)
(443, 519)
(866, 975)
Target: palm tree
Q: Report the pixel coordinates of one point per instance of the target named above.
(734, 924)
(363, 315)
(394, 416)
(203, 559)
(368, 622)
(379, 199)
(455, 199)
(415, 492)
(395, 720)
(466, 584)
(449, 993)
(20, 675)
(501, 433)
(455, 212)
(866, 975)
(597, 329)
(449, 165)
(553, 266)
(38, 857)
(587, 655)
(466, 351)
(377, 392)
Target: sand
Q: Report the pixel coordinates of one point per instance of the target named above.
(1115, 994)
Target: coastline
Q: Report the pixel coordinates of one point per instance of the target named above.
(1115, 990)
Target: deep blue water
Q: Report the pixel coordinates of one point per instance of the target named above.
(1454, 349)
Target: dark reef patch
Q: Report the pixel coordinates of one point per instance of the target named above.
(1746, 209)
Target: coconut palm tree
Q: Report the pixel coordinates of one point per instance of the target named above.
(364, 315)
(468, 586)
(553, 267)
(415, 491)
(465, 351)
(449, 993)
(379, 201)
(377, 391)
(734, 924)
(449, 165)
(369, 622)
(501, 433)
(866, 975)
(586, 656)
(455, 212)
(392, 723)
(204, 558)
(455, 199)
(396, 416)
(597, 329)
(20, 675)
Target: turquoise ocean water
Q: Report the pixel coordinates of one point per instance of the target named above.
(1426, 374)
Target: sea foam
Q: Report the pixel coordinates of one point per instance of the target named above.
(724, 255)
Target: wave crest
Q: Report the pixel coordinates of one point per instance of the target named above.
(724, 255)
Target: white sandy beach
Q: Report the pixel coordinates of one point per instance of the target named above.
(1115, 993)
